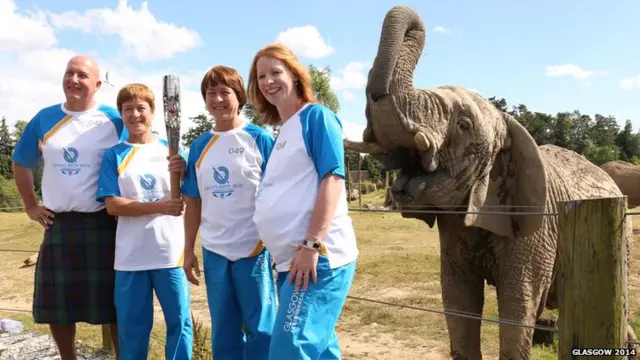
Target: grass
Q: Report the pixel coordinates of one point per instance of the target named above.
(399, 263)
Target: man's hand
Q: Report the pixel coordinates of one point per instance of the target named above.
(41, 215)
(191, 265)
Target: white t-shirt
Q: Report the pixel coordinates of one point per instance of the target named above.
(140, 172)
(224, 170)
(309, 146)
(72, 144)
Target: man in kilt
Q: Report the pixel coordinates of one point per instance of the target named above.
(74, 276)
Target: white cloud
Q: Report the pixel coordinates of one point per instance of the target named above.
(572, 70)
(139, 31)
(32, 78)
(305, 41)
(630, 83)
(353, 76)
(442, 30)
(352, 131)
(191, 100)
(348, 95)
(20, 33)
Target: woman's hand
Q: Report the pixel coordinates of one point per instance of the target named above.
(173, 207)
(177, 163)
(303, 265)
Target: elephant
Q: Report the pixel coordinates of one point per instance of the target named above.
(627, 176)
(453, 149)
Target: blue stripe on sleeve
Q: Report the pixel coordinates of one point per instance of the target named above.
(108, 177)
(113, 115)
(322, 134)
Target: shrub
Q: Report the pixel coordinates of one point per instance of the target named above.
(201, 341)
(9, 197)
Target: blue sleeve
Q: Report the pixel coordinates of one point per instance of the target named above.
(265, 142)
(27, 152)
(113, 115)
(190, 181)
(108, 178)
(322, 134)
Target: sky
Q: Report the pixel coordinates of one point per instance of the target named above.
(551, 56)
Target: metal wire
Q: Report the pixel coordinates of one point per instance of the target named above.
(451, 212)
(463, 314)
(18, 250)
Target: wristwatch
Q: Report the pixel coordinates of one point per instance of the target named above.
(312, 245)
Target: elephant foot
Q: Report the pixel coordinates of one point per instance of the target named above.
(544, 337)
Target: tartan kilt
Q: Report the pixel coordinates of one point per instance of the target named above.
(74, 275)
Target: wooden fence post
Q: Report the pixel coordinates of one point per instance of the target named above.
(359, 181)
(106, 338)
(592, 291)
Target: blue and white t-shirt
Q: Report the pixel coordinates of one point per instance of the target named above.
(224, 170)
(309, 146)
(140, 172)
(72, 144)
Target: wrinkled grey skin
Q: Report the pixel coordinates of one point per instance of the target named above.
(627, 176)
(453, 147)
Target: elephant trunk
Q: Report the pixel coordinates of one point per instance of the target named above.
(401, 43)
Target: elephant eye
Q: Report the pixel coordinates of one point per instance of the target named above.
(464, 123)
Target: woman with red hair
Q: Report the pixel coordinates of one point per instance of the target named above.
(301, 207)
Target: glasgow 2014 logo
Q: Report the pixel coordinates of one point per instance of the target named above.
(70, 166)
(223, 188)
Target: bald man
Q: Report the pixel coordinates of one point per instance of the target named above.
(74, 276)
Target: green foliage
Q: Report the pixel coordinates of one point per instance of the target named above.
(9, 197)
(18, 128)
(7, 141)
(598, 138)
(5, 167)
(201, 341)
(201, 124)
(249, 111)
(373, 166)
(321, 83)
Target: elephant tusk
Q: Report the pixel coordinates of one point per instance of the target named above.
(364, 147)
(421, 141)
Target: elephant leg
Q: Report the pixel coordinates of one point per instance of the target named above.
(462, 290)
(518, 303)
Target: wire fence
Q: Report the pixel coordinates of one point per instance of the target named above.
(432, 209)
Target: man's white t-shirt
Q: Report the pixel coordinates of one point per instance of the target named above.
(140, 172)
(71, 144)
(309, 146)
(223, 171)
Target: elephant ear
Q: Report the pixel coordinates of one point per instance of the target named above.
(516, 177)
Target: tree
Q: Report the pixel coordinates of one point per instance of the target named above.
(628, 143)
(18, 129)
(321, 83)
(6, 138)
(202, 123)
(6, 148)
(372, 166)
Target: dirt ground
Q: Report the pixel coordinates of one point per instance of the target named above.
(399, 263)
